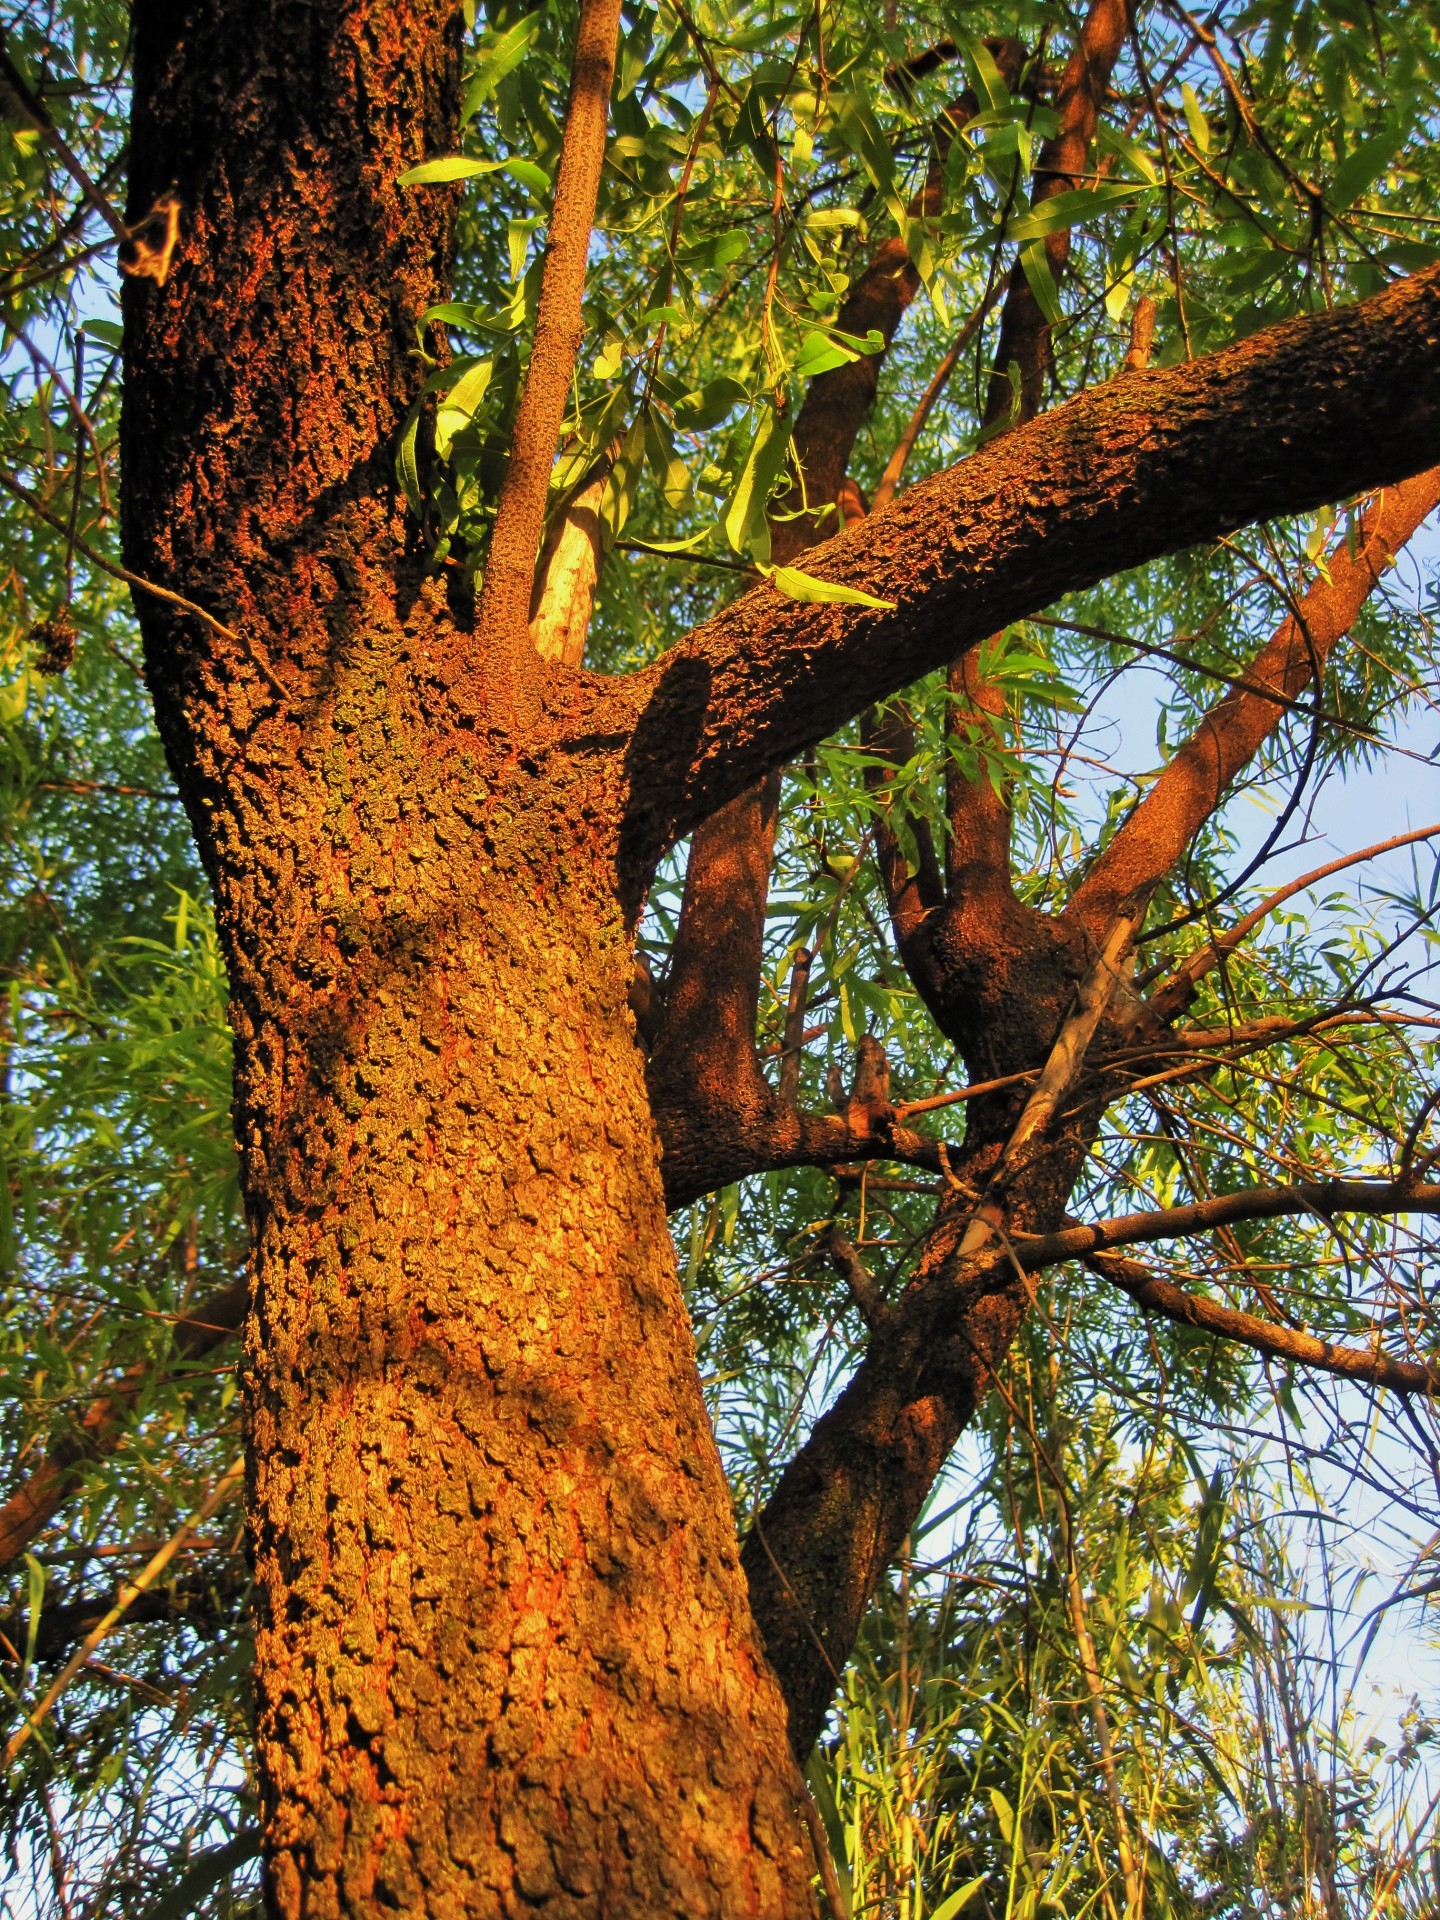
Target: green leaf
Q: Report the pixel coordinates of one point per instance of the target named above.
(1361, 168)
(1072, 208)
(1111, 140)
(954, 1902)
(507, 53)
(822, 1792)
(744, 521)
(825, 219)
(669, 469)
(1036, 268)
(796, 585)
(107, 332)
(860, 132)
(989, 82)
(457, 409)
(710, 256)
(707, 406)
(1004, 1814)
(1194, 118)
(455, 166)
(407, 465)
(818, 354)
(619, 495)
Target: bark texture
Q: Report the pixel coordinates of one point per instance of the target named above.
(504, 1658)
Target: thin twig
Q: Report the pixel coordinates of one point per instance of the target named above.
(130, 1591)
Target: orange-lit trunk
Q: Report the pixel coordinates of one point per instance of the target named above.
(505, 1659)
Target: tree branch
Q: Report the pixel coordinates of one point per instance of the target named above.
(1176, 993)
(34, 1504)
(1263, 1336)
(1155, 461)
(504, 613)
(1155, 835)
(1024, 330)
(1319, 1197)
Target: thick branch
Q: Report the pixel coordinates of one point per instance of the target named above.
(1155, 836)
(1024, 330)
(1153, 462)
(1321, 1198)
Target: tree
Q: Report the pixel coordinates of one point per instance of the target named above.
(508, 1648)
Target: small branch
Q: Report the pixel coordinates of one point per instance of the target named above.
(1175, 993)
(895, 466)
(1321, 1198)
(116, 572)
(1059, 1074)
(33, 110)
(567, 575)
(130, 1591)
(869, 1301)
(504, 612)
(1197, 777)
(34, 1504)
(1263, 1336)
(794, 1038)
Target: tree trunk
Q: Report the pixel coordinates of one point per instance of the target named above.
(505, 1652)
(505, 1660)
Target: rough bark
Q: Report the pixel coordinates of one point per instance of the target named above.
(504, 1655)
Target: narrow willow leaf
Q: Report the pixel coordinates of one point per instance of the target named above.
(744, 521)
(954, 1902)
(1036, 269)
(455, 166)
(1072, 209)
(822, 1791)
(796, 585)
(1361, 168)
(406, 464)
(507, 53)
(1004, 1814)
(1194, 118)
(989, 81)
(669, 469)
(457, 409)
